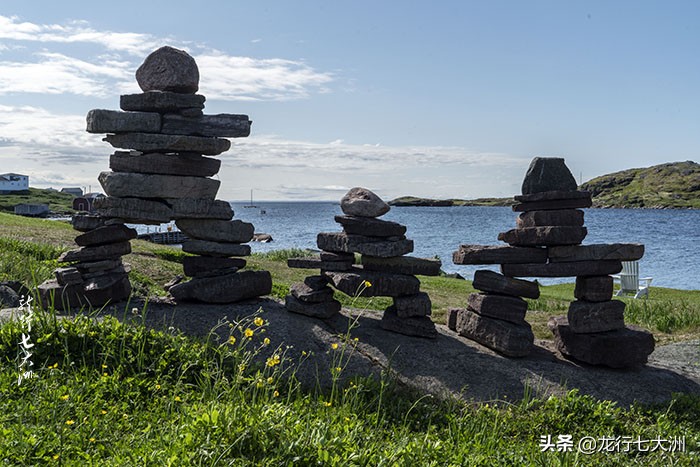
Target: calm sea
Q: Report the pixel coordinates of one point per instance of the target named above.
(671, 237)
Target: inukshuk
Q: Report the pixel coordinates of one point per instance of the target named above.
(384, 270)
(547, 243)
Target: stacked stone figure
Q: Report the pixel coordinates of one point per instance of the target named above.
(547, 243)
(384, 270)
(96, 274)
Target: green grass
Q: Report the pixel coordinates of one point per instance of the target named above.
(61, 203)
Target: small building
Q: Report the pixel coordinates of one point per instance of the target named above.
(32, 210)
(11, 183)
(84, 203)
(73, 190)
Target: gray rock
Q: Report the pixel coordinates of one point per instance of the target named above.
(362, 202)
(134, 210)
(418, 326)
(509, 339)
(193, 112)
(193, 208)
(322, 310)
(573, 269)
(587, 317)
(381, 284)
(8, 297)
(221, 249)
(153, 142)
(86, 222)
(314, 262)
(195, 266)
(370, 246)
(262, 237)
(68, 276)
(544, 236)
(164, 164)
(107, 234)
(503, 307)
(89, 267)
(114, 121)
(235, 231)
(489, 281)
(230, 288)
(223, 125)
(316, 282)
(596, 252)
(91, 295)
(168, 69)
(370, 226)
(96, 253)
(553, 196)
(498, 254)
(594, 288)
(563, 217)
(402, 265)
(408, 306)
(174, 281)
(452, 316)
(305, 293)
(343, 257)
(162, 102)
(554, 205)
(548, 174)
(625, 348)
(118, 270)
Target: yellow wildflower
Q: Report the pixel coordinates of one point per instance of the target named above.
(92, 440)
(103, 412)
(258, 321)
(260, 383)
(276, 394)
(55, 365)
(266, 341)
(334, 345)
(327, 404)
(157, 387)
(248, 332)
(104, 366)
(177, 399)
(338, 369)
(65, 397)
(231, 340)
(70, 422)
(270, 380)
(368, 284)
(274, 360)
(55, 457)
(303, 353)
(241, 367)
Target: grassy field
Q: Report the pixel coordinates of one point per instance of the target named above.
(61, 203)
(108, 393)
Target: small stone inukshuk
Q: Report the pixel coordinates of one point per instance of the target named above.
(547, 243)
(165, 176)
(384, 270)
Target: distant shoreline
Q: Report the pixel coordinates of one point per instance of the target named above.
(506, 202)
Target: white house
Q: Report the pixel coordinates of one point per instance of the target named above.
(11, 182)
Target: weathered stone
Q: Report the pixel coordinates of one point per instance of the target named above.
(114, 121)
(313, 262)
(164, 164)
(96, 253)
(217, 230)
(544, 236)
(370, 226)
(381, 284)
(548, 174)
(408, 306)
(68, 276)
(221, 249)
(120, 269)
(230, 288)
(224, 125)
(510, 339)
(594, 288)
(451, 319)
(108, 234)
(195, 266)
(8, 297)
(586, 317)
(553, 196)
(174, 281)
(262, 237)
(322, 310)
(402, 265)
(161, 102)
(596, 252)
(419, 326)
(91, 294)
(316, 282)
(87, 267)
(308, 294)
(86, 222)
(625, 348)
(370, 246)
(154, 142)
(338, 256)
(134, 210)
(497, 306)
(362, 202)
(498, 254)
(563, 217)
(191, 208)
(490, 281)
(573, 269)
(193, 112)
(168, 69)
(554, 205)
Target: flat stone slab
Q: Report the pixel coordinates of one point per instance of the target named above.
(544, 236)
(370, 226)
(86, 222)
(361, 202)
(222, 125)
(562, 217)
(625, 348)
(153, 142)
(136, 185)
(114, 233)
(220, 249)
(195, 266)
(90, 267)
(68, 276)
(161, 101)
(306, 293)
(143, 211)
(96, 253)
(509, 339)
(337, 256)
(493, 282)
(547, 174)
(497, 306)
(572, 269)
(587, 317)
(91, 295)
(594, 288)
(168, 69)
(408, 306)
(114, 121)
(553, 195)
(235, 231)
(382, 284)
(314, 262)
(229, 288)
(321, 310)
(370, 246)
(498, 254)
(197, 208)
(402, 265)
(555, 204)
(418, 326)
(596, 252)
(164, 164)
(451, 318)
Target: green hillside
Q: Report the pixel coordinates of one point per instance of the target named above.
(60, 203)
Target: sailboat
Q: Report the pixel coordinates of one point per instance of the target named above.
(251, 205)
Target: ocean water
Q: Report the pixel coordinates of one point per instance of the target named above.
(671, 237)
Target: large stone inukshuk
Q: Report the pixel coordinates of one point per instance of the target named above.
(547, 243)
(165, 176)
(384, 270)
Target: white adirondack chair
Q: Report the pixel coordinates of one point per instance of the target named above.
(629, 280)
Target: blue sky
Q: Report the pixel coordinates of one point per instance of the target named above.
(435, 99)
